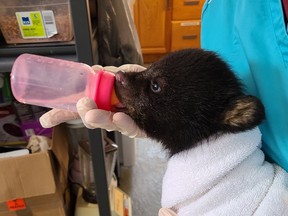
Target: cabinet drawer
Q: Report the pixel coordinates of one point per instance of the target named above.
(187, 9)
(185, 34)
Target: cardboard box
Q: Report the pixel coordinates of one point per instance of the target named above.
(34, 184)
(35, 21)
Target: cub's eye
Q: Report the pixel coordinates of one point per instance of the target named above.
(155, 87)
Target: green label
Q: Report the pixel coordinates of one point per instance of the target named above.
(31, 24)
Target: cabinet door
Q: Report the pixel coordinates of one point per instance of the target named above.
(152, 18)
(185, 34)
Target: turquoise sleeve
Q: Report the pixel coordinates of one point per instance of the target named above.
(252, 37)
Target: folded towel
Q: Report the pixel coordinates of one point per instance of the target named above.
(226, 175)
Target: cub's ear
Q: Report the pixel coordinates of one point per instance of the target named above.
(245, 112)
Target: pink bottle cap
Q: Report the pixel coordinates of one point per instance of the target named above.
(105, 84)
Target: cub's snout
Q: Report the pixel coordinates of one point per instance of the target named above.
(129, 90)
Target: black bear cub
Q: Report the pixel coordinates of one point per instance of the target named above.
(186, 97)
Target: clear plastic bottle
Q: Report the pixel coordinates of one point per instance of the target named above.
(56, 83)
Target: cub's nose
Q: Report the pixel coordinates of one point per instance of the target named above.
(120, 78)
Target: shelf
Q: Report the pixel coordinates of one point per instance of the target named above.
(83, 49)
(38, 48)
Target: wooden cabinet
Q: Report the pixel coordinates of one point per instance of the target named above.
(186, 21)
(167, 25)
(152, 20)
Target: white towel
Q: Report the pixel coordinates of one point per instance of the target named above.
(226, 175)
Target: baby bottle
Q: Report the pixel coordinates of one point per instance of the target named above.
(55, 83)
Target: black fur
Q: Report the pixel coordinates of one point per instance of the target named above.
(199, 97)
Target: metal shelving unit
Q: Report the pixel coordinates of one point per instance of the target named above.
(82, 49)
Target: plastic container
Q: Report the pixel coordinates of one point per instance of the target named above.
(34, 21)
(56, 83)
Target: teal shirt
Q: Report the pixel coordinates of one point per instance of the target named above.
(251, 36)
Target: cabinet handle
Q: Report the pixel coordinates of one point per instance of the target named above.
(191, 2)
(190, 23)
(189, 37)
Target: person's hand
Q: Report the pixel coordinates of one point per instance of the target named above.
(96, 118)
